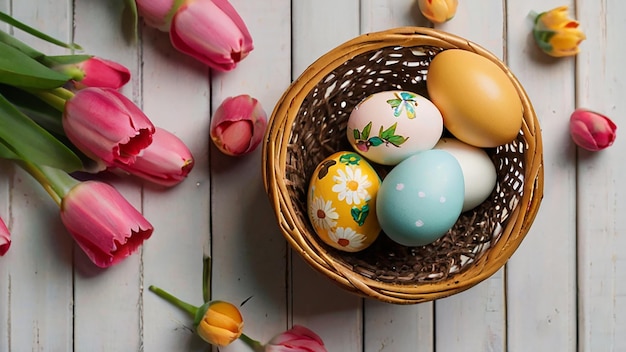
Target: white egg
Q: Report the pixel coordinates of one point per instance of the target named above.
(389, 126)
(479, 172)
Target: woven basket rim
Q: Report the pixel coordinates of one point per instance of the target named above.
(274, 161)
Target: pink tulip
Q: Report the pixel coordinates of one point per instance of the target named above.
(591, 130)
(238, 125)
(167, 161)
(105, 226)
(212, 32)
(298, 339)
(102, 73)
(106, 125)
(5, 238)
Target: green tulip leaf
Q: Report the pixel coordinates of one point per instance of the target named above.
(32, 31)
(43, 114)
(30, 142)
(66, 59)
(8, 39)
(20, 70)
(6, 153)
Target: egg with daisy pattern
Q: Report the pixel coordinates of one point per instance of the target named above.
(341, 201)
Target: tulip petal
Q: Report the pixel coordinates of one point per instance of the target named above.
(5, 238)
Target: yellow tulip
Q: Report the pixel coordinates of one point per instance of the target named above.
(221, 323)
(556, 34)
(438, 11)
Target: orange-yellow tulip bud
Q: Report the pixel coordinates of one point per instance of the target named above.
(556, 34)
(219, 323)
(438, 11)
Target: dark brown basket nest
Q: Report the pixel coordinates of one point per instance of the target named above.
(309, 123)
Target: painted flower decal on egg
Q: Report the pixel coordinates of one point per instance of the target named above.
(347, 238)
(351, 185)
(323, 213)
(404, 102)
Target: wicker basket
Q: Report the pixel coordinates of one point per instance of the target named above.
(309, 123)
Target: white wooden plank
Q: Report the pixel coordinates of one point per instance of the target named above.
(175, 97)
(109, 298)
(389, 327)
(541, 275)
(318, 27)
(601, 224)
(40, 266)
(248, 250)
(474, 320)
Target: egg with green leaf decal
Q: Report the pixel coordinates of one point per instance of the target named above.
(389, 126)
(341, 201)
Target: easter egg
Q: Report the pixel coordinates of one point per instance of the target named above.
(479, 172)
(421, 198)
(389, 126)
(477, 99)
(341, 202)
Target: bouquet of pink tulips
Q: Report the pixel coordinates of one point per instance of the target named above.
(60, 115)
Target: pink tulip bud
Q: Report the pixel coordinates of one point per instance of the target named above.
(103, 223)
(5, 238)
(106, 125)
(238, 125)
(590, 130)
(212, 32)
(102, 73)
(298, 338)
(167, 161)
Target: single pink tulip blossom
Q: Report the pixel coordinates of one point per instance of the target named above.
(298, 339)
(238, 125)
(103, 223)
(591, 130)
(167, 161)
(98, 72)
(5, 238)
(106, 125)
(212, 32)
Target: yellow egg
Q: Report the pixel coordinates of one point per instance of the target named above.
(478, 101)
(341, 202)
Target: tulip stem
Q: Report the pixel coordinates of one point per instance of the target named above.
(206, 279)
(191, 309)
(55, 181)
(253, 344)
(56, 97)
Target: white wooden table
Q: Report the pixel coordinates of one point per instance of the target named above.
(563, 290)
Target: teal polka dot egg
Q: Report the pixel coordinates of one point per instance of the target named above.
(421, 198)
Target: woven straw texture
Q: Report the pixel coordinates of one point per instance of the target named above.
(309, 123)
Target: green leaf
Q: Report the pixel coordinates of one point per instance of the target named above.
(8, 39)
(32, 31)
(20, 70)
(356, 134)
(65, 59)
(366, 130)
(388, 132)
(32, 143)
(6, 153)
(43, 114)
(396, 140)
